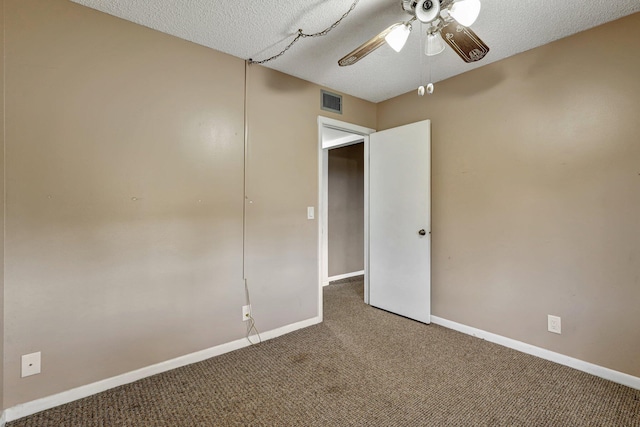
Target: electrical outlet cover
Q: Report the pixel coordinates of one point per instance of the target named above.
(30, 364)
(554, 324)
(246, 312)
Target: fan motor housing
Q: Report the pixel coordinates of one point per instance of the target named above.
(409, 6)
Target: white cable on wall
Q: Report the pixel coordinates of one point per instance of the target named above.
(251, 323)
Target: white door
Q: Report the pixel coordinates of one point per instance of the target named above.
(400, 220)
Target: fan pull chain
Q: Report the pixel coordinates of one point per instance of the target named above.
(302, 35)
(422, 55)
(429, 65)
(429, 87)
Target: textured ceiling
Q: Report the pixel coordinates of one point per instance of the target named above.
(259, 29)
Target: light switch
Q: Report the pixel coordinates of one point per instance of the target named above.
(310, 212)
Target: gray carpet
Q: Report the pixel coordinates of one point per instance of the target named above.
(361, 367)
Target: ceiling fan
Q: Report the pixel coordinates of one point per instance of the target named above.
(446, 20)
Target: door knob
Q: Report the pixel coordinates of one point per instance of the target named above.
(422, 232)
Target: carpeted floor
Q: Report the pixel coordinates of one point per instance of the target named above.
(361, 367)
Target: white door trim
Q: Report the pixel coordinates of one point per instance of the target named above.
(323, 176)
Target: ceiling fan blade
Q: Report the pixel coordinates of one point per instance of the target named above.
(464, 42)
(366, 48)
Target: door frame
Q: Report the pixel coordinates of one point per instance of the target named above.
(323, 180)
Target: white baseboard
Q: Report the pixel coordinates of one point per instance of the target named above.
(581, 365)
(29, 408)
(343, 276)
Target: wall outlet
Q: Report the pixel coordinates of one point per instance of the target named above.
(554, 324)
(30, 364)
(246, 312)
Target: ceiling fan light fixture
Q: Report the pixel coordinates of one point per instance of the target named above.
(465, 12)
(427, 10)
(434, 44)
(398, 36)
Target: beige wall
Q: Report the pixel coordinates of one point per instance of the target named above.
(282, 181)
(346, 209)
(124, 196)
(124, 152)
(536, 194)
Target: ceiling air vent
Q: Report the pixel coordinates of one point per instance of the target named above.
(331, 102)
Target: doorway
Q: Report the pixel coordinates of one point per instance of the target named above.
(335, 134)
(345, 206)
(397, 215)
